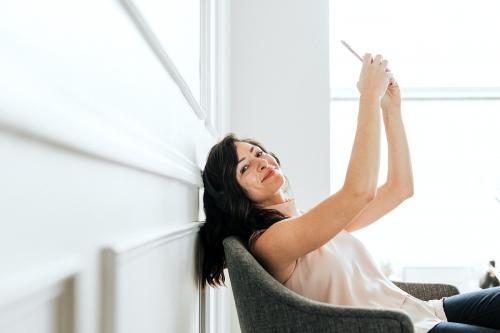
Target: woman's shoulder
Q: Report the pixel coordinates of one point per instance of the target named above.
(253, 237)
(257, 233)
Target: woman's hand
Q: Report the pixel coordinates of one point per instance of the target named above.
(391, 100)
(373, 79)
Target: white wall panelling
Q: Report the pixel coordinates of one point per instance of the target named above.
(87, 132)
(112, 72)
(83, 84)
(148, 286)
(40, 300)
(61, 202)
(174, 27)
(195, 91)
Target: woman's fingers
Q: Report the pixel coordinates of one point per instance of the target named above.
(367, 59)
(375, 75)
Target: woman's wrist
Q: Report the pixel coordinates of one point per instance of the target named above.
(392, 115)
(392, 110)
(370, 97)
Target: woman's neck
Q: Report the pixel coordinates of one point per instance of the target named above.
(276, 199)
(287, 208)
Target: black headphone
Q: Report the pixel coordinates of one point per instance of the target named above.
(218, 196)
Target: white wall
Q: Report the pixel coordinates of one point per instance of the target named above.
(106, 116)
(280, 87)
(107, 111)
(276, 90)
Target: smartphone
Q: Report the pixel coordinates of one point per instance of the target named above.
(352, 51)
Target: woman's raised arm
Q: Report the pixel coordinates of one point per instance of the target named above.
(399, 184)
(399, 172)
(364, 163)
(322, 222)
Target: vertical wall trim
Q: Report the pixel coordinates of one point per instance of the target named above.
(218, 45)
(66, 308)
(209, 64)
(212, 313)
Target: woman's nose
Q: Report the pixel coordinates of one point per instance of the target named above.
(263, 164)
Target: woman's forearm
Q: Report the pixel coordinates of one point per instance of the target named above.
(364, 163)
(399, 172)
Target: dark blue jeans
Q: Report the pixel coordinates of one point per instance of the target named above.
(476, 311)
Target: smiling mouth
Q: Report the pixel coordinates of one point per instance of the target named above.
(268, 175)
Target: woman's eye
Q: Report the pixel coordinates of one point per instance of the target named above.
(244, 168)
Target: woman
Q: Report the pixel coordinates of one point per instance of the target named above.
(314, 253)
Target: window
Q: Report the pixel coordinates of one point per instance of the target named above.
(428, 43)
(445, 58)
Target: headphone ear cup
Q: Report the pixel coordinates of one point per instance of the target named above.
(275, 157)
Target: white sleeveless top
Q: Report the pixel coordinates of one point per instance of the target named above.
(342, 272)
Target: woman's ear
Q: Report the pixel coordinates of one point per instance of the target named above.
(275, 157)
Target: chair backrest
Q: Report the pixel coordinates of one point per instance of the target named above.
(265, 305)
(261, 301)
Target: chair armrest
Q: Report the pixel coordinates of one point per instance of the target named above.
(427, 291)
(312, 316)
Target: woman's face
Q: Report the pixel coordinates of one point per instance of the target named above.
(259, 174)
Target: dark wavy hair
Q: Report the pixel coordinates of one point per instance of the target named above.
(228, 209)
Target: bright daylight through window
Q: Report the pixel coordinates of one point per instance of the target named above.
(445, 57)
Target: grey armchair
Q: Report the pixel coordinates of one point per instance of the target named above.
(265, 305)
